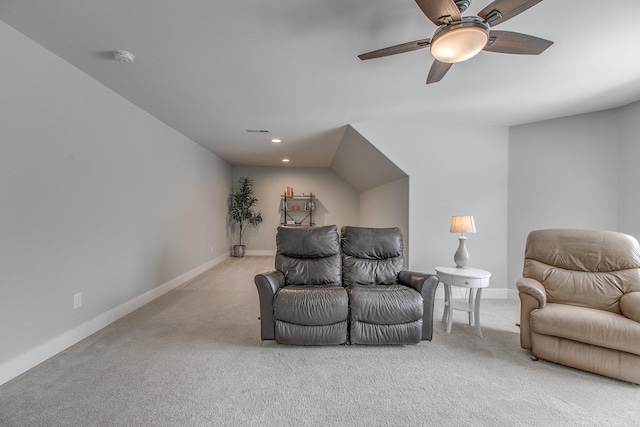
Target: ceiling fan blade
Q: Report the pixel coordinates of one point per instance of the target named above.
(437, 71)
(517, 43)
(393, 50)
(438, 11)
(507, 8)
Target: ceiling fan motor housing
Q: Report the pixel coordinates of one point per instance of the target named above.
(463, 4)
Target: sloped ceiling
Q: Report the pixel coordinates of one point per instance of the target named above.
(361, 164)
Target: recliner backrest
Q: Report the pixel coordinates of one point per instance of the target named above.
(371, 256)
(588, 268)
(309, 255)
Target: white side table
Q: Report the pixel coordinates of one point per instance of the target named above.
(472, 279)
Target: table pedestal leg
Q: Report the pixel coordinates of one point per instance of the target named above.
(448, 307)
(477, 312)
(470, 306)
(446, 304)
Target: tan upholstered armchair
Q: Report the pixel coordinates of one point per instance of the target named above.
(580, 300)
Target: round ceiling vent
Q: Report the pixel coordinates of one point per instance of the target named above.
(123, 56)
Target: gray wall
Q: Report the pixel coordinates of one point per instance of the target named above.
(337, 201)
(97, 197)
(458, 170)
(387, 206)
(563, 173)
(629, 170)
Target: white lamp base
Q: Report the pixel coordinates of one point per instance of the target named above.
(461, 256)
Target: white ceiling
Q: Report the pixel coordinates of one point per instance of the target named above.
(212, 69)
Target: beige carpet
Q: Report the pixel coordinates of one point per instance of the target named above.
(194, 358)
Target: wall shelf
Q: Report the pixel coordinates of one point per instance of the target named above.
(297, 210)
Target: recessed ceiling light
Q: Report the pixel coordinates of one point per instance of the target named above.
(276, 140)
(285, 160)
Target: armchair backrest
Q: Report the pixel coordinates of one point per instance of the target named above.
(588, 268)
(309, 255)
(371, 256)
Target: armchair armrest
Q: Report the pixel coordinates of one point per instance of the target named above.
(268, 284)
(426, 285)
(533, 288)
(630, 305)
(532, 296)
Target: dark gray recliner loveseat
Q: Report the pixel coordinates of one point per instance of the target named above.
(331, 290)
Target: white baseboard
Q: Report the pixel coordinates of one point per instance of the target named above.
(34, 357)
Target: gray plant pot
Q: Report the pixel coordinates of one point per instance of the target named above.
(239, 250)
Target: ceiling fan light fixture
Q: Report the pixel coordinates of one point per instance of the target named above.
(460, 40)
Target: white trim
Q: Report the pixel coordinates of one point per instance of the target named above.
(254, 252)
(34, 357)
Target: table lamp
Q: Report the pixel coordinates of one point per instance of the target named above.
(462, 224)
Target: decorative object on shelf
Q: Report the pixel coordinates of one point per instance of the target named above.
(297, 209)
(462, 224)
(241, 205)
(288, 191)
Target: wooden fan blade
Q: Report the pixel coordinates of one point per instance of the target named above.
(393, 50)
(507, 8)
(437, 71)
(517, 43)
(440, 11)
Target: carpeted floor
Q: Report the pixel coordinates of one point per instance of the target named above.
(193, 357)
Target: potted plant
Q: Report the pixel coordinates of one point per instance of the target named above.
(241, 205)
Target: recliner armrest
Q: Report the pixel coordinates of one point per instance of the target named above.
(414, 279)
(426, 285)
(533, 296)
(268, 284)
(630, 305)
(533, 288)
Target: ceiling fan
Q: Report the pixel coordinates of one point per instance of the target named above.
(459, 38)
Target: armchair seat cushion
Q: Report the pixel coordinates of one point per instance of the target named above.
(587, 325)
(311, 305)
(385, 304)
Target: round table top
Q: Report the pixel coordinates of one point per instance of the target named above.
(474, 273)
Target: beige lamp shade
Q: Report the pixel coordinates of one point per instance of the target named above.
(462, 224)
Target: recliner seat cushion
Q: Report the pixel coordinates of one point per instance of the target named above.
(587, 325)
(385, 314)
(404, 333)
(289, 333)
(385, 304)
(311, 305)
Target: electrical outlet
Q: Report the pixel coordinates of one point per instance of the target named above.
(77, 300)
(211, 249)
